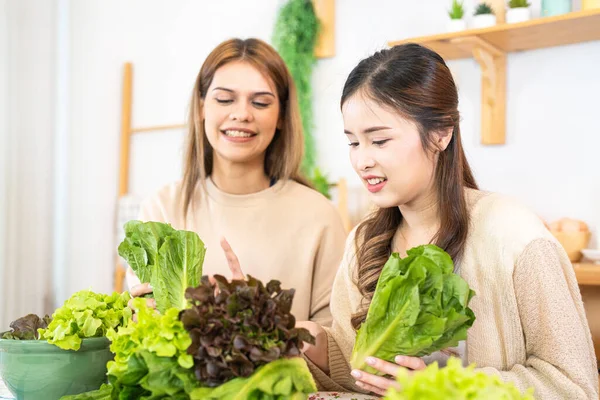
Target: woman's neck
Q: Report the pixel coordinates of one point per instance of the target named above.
(420, 221)
(237, 178)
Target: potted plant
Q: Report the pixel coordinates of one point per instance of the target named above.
(295, 37)
(518, 11)
(456, 14)
(484, 16)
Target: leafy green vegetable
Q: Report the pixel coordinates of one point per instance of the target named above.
(150, 355)
(244, 326)
(104, 393)
(86, 314)
(419, 306)
(281, 379)
(245, 329)
(26, 328)
(170, 260)
(149, 376)
(454, 382)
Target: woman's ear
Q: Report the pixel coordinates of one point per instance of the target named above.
(443, 138)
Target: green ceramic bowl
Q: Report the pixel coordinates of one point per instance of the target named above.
(36, 370)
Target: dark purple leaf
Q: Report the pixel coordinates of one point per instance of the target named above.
(238, 326)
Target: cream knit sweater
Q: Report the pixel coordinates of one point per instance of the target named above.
(287, 232)
(530, 325)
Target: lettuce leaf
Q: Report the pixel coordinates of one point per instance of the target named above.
(104, 393)
(419, 306)
(86, 314)
(454, 382)
(286, 378)
(26, 328)
(243, 326)
(151, 359)
(170, 260)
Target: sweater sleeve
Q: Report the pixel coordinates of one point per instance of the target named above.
(560, 361)
(341, 335)
(327, 259)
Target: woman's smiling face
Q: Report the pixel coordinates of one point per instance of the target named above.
(241, 113)
(386, 152)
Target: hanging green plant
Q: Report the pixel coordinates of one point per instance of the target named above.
(295, 38)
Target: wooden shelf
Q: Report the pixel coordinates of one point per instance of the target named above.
(489, 47)
(538, 33)
(587, 274)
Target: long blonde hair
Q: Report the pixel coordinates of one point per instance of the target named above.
(284, 153)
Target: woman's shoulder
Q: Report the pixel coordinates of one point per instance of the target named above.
(498, 208)
(506, 220)
(163, 204)
(166, 194)
(308, 200)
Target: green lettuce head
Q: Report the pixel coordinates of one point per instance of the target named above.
(420, 306)
(454, 382)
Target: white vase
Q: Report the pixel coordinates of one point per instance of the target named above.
(483, 21)
(455, 25)
(518, 14)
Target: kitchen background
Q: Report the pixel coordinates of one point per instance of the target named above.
(61, 77)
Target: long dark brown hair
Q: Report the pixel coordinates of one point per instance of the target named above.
(284, 153)
(416, 82)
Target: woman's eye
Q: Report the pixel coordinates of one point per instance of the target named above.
(353, 144)
(260, 105)
(223, 101)
(380, 142)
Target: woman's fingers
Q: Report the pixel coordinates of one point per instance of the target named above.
(373, 383)
(140, 290)
(151, 303)
(414, 363)
(386, 367)
(232, 261)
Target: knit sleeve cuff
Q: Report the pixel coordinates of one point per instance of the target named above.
(339, 378)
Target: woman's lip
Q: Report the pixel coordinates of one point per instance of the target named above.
(238, 139)
(377, 187)
(239, 130)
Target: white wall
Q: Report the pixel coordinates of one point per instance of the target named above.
(167, 43)
(26, 120)
(549, 161)
(550, 157)
(3, 148)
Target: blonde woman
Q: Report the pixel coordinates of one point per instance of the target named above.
(242, 180)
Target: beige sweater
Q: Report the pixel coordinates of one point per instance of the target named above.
(287, 232)
(530, 325)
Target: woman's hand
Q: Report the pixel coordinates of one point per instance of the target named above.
(318, 352)
(232, 261)
(380, 384)
(137, 291)
(144, 288)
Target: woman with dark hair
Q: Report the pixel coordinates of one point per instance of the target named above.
(400, 111)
